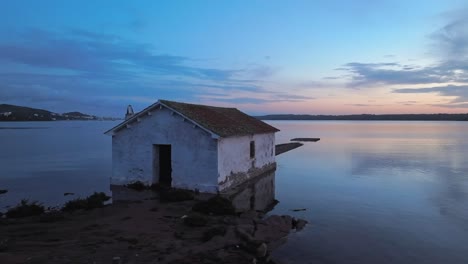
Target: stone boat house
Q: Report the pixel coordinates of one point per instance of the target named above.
(190, 146)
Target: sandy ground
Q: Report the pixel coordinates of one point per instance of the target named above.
(143, 231)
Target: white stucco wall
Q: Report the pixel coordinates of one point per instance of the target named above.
(194, 152)
(234, 156)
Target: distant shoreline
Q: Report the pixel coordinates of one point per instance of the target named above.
(61, 120)
(369, 117)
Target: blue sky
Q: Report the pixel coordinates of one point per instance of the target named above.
(315, 57)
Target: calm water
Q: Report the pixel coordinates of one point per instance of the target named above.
(375, 192)
(43, 160)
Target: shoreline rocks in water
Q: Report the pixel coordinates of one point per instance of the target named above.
(145, 231)
(306, 139)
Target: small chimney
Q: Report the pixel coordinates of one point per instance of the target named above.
(129, 113)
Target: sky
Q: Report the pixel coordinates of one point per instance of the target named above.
(263, 57)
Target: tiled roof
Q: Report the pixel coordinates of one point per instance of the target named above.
(221, 121)
(225, 122)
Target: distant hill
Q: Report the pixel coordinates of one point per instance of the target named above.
(78, 115)
(396, 117)
(22, 113)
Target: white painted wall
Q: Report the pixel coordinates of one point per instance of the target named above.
(234, 154)
(194, 152)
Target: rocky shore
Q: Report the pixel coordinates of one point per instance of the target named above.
(147, 230)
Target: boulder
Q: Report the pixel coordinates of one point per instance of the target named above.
(273, 228)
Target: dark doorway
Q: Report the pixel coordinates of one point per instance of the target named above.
(163, 168)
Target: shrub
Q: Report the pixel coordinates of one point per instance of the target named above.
(216, 205)
(96, 200)
(137, 186)
(175, 195)
(24, 209)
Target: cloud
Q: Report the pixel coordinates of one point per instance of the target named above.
(262, 71)
(409, 103)
(245, 97)
(450, 43)
(88, 52)
(452, 39)
(364, 105)
(82, 66)
(371, 74)
(460, 92)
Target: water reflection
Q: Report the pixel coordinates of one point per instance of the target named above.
(376, 192)
(436, 161)
(257, 194)
(43, 160)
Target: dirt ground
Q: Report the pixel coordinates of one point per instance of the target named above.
(143, 231)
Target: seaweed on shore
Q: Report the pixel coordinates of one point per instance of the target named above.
(25, 209)
(96, 200)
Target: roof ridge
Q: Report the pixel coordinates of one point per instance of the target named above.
(220, 121)
(202, 105)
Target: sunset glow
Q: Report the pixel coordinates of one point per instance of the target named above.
(263, 57)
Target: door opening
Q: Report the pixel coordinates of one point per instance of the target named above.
(162, 164)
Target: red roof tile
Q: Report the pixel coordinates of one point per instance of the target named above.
(225, 122)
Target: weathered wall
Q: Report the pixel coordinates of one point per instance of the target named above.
(194, 152)
(234, 163)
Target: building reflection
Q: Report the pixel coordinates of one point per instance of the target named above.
(257, 194)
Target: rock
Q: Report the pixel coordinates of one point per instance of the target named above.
(68, 193)
(3, 191)
(248, 228)
(244, 234)
(4, 244)
(215, 206)
(298, 224)
(298, 209)
(273, 228)
(195, 220)
(116, 260)
(262, 250)
(212, 232)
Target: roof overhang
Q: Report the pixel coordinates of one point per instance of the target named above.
(148, 112)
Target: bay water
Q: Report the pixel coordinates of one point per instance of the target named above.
(373, 192)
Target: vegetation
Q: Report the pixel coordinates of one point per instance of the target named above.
(96, 200)
(137, 186)
(21, 113)
(25, 209)
(216, 206)
(175, 195)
